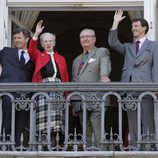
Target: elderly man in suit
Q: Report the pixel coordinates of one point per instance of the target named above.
(140, 65)
(16, 67)
(93, 65)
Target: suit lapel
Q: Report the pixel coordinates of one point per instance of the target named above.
(78, 64)
(14, 57)
(133, 49)
(28, 62)
(90, 55)
(143, 47)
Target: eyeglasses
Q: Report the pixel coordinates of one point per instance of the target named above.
(48, 41)
(87, 36)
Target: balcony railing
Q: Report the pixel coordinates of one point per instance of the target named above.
(92, 96)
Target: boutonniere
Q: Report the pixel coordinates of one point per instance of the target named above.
(91, 60)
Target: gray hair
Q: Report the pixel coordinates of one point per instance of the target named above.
(88, 30)
(47, 33)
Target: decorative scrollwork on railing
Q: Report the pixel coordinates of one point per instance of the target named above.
(21, 147)
(74, 141)
(92, 147)
(130, 147)
(129, 102)
(111, 141)
(22, 101)
(94, 100)
(148, 140)
(57, 147)
(57, 100)
(5, 139)
(91, 96)
(41, 141)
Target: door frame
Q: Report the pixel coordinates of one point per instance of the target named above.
(148, 6)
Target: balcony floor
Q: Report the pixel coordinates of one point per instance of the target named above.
(88, 154)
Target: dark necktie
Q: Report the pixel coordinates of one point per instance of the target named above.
(137, 47)
(84, 58)
(22, 59)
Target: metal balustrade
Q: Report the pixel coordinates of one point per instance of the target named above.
(90, 95)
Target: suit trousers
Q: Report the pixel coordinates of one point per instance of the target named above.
(6, 117)
(147, 119)
(156, 119)
(93, 125)
(21, 118)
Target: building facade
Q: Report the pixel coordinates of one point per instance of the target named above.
(25, 12)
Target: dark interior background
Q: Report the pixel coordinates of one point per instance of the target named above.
(67, 25)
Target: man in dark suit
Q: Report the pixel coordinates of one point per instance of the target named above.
(16, 67)
(93, 65)
(140, 65)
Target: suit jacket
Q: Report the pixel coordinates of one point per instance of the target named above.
(98, 63)
(41, 59)
(11, 70)
(140, 67)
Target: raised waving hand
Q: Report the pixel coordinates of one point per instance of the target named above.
(117, 18)
(39, 29)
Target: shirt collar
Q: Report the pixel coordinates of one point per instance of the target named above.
(50, 53)
(20, 50)
(142, 40)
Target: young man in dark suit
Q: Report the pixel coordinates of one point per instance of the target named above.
(16, 67)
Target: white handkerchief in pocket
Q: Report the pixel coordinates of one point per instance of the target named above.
(91, 60)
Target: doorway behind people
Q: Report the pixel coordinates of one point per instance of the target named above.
(66, 25)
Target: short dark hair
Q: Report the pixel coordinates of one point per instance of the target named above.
(25, 32)
(143, 22)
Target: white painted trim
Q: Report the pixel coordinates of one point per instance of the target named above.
(9, 32)
(148, 6)
(150, 14)
(75, 4)
(3, 23)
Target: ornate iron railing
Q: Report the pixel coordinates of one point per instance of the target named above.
(93, 96)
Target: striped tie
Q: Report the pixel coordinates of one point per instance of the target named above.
(84, 58)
